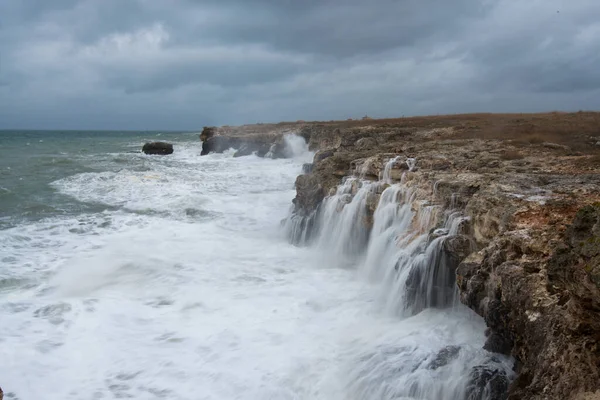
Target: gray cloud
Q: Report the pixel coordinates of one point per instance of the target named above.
(182, 64)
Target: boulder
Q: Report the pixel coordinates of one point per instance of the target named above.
(160, 148)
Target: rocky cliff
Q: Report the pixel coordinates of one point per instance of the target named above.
(528, 258)
(262, 140)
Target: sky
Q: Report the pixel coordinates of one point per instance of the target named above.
(184, 64)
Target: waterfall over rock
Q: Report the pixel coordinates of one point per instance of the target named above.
(410, 247)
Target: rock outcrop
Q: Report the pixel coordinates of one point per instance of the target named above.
(262, 140)
(527, 259)
(160, 148)
(207, 133)
(539, 292)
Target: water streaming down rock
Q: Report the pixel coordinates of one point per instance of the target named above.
(406, 246)
(344, 221)
(298, 228)
(424, 272)
(387, 170)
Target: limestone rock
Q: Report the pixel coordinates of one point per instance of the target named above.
(309, 194)
(487, 383)
(207, 133)
(444, 357)
(526, 259)
(219, 144)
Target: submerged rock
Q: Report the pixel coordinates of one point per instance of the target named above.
(161, 148)
(487, 383)
(444, 357)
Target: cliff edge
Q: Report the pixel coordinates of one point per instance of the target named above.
(530, 187)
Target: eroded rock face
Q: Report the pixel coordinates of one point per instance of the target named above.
(310, 194)
(219, 144)
(246, 140)
(487, 383)
(538, 293)
(444, 357)
(527, 257)
(207, 133)
(252, 147)
(159, 148)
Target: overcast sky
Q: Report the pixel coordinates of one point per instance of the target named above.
(183, 64)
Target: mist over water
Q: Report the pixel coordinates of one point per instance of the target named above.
(170, 277)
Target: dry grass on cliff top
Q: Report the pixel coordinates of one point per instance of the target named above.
(556, 133)
(579, 130)
(575, 130)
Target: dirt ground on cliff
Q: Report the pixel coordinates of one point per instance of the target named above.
(580, 131)
(574, 134)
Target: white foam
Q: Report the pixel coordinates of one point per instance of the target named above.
(415, 281)
(148, 301)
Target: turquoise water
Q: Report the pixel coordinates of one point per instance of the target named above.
(31, 160)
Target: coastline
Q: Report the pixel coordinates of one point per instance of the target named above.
(530, 187)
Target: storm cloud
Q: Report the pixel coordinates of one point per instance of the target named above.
(183, 64)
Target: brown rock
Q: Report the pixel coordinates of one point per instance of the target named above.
(533, 273)
(207, 133)
(158, 148)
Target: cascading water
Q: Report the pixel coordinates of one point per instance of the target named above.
(271, 152)
(344, 232)
(402, 251)
(387, 170)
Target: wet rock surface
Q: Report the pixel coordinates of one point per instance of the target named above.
(527, 257)
(262, 140)
(207, 133)
(444, 357)
(487, 383)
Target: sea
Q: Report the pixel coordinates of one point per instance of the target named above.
(132, 276)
